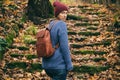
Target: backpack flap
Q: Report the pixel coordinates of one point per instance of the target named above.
(41, 33)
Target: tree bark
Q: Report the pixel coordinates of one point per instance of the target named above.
(100, 1)
(118, 3)
(39, 9)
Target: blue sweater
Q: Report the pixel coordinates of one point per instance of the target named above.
(61, 58)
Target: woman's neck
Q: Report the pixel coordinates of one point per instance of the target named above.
(57, 18)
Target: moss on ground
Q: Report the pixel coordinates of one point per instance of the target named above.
(28, 56)
(73, 17)
(88, 52)
(30, 67)
(89, 69)
(105, 43)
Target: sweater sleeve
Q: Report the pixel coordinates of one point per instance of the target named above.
(64, 48)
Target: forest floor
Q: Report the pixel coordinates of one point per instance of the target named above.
(93, 45)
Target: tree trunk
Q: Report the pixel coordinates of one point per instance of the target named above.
(118, 3)
(38, 9)
(104, 2)
(107, 2)
(113, 1)
(1, 2)
(100, 2)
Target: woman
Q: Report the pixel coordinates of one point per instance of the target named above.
(58, 65)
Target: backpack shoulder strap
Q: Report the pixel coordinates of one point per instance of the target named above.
(50, 27)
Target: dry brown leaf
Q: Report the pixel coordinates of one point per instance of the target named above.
(16, 40)
(92, 78)
(43, 72)
(8, 79)
(102, 10)
(6, 2)
(2, 19)
(15, 12)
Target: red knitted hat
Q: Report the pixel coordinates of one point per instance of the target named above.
(58, 8)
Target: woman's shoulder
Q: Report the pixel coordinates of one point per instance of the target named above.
(57, 22)
(61, 22)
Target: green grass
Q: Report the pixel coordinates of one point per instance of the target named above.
(31, 30)
(73, 17)
(81, 6)
(90, 10)
(13, 7)
(30, 67)
(76, 45)
(29, 39)
(1, 55)
(77, 39)
(20, 47)
(89, 33)
(84, 33)
(105, 43)
(17, 55)
(92, 28)
(99, 59)
(71, 33)
(88, 52)
(86, 24)
(35, 67)
(96, 13)
(10, 36)
(90, 69)
(23, 48)
(92, 59)
(31, 56)
(28, 56)
(118, 46)
(3, 47)
(21, 65)
(87, 20)
(31, 42)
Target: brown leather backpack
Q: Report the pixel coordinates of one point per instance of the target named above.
(44, 45)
